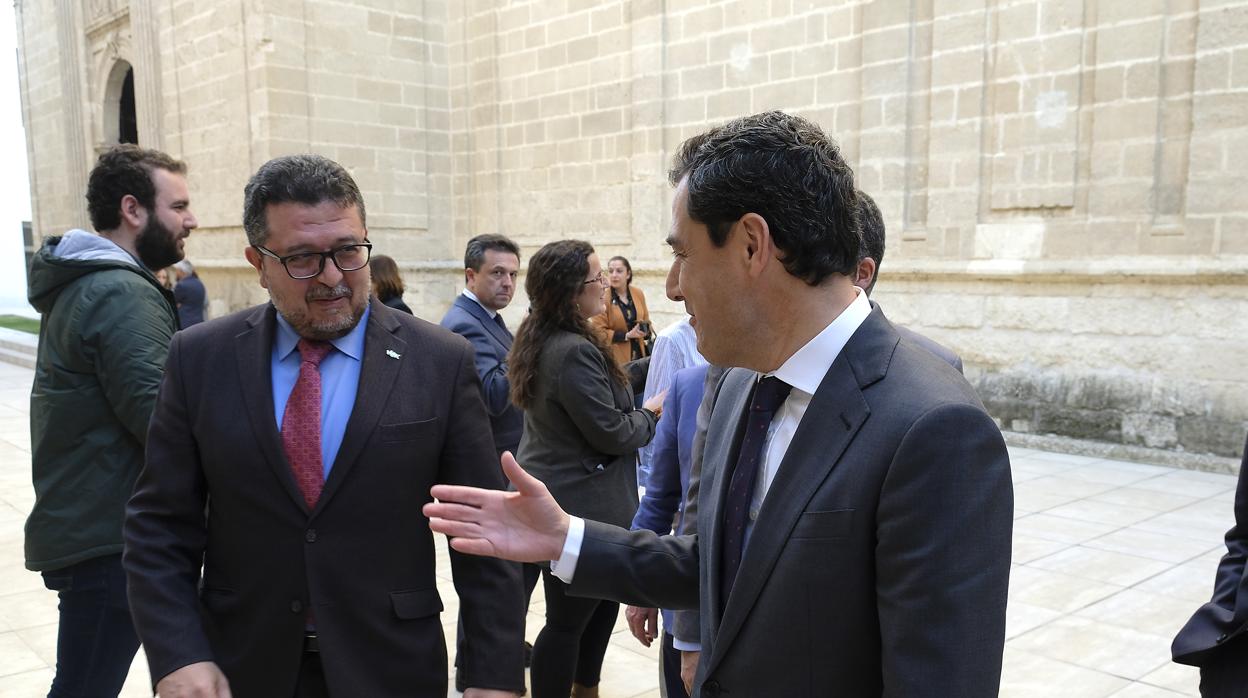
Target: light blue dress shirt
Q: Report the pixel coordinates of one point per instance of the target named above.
(340, 377)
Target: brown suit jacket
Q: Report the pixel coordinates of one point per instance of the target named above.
(217, 491)
(611, 321)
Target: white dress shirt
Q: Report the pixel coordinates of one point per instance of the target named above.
(804, 370)
(473, 297)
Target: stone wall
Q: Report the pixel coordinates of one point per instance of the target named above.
(1061, 179)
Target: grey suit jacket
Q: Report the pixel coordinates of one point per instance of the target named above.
(879, 562)
(687, 624)
(581, 434)
(490, 344)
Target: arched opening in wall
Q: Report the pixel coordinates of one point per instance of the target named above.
(127, 122)
(121, 123)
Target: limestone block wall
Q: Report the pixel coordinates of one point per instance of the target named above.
(1061, 179)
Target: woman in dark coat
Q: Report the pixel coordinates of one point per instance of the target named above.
(581, 435)
(387, 284)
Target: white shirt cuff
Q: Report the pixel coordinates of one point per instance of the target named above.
(686, 646)
(565, 566)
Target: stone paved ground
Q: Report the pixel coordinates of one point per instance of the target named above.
(1110, 557)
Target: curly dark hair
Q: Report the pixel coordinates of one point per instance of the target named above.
(555, 276)
(121, 170)
(785, 169)
(302, 179)
(872, 223)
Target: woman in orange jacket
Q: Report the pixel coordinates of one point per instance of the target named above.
(625, 324)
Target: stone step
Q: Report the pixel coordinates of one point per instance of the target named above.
(18, 347)
(9, 356)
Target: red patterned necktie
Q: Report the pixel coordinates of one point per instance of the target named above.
(301, 423)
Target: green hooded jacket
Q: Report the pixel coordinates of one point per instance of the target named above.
(106, 328)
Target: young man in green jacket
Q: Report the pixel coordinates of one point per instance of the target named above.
(106, 328)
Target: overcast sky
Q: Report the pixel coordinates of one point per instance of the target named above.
(14, 179)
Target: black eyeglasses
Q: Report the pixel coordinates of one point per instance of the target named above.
(306, 265)
(601, 280)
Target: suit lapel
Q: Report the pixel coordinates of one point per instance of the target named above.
(254, 351)
(488, 322)
(384, 354)
(836, 412)
(724, 435)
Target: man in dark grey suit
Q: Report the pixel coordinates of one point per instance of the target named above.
(856, 508)
(1215, 638)
(491, 264)
(687, 624)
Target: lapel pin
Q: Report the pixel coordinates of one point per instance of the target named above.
(392, 353)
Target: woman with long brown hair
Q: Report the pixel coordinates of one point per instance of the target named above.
(581, 436)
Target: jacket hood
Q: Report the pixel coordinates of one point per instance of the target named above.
(62, 260)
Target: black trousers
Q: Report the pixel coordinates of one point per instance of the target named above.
(1225, 673)
(572, 643)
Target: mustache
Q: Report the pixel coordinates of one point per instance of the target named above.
(318, 293)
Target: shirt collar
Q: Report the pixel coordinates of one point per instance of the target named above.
(351, 343)
(805, 369)
(473, 297)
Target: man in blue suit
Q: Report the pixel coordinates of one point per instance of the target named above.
(662, 508)
(491, 263)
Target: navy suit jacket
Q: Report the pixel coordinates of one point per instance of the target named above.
(491, 344)
(673, 442)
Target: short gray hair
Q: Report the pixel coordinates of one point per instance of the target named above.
(303, 179)
(185, 267)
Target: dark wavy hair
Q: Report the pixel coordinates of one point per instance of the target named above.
(872, 223)
(120, 170)
(555, 276)
(307, 179)
(783, 168)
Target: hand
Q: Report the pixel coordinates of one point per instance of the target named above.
(198, 680)
(635, 333)
(689, 669)
(526, 525)
(655, 403)
(489, 693)
(643, 622)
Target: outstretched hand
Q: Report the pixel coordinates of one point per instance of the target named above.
(526, 525)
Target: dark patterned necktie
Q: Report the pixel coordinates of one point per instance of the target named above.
(498, 320)
(768, 396)
(301, 422)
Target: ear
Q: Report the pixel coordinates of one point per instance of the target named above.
(865, 273)
(760, 250)
(470, 276)
(132, 212)
(256, 260)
